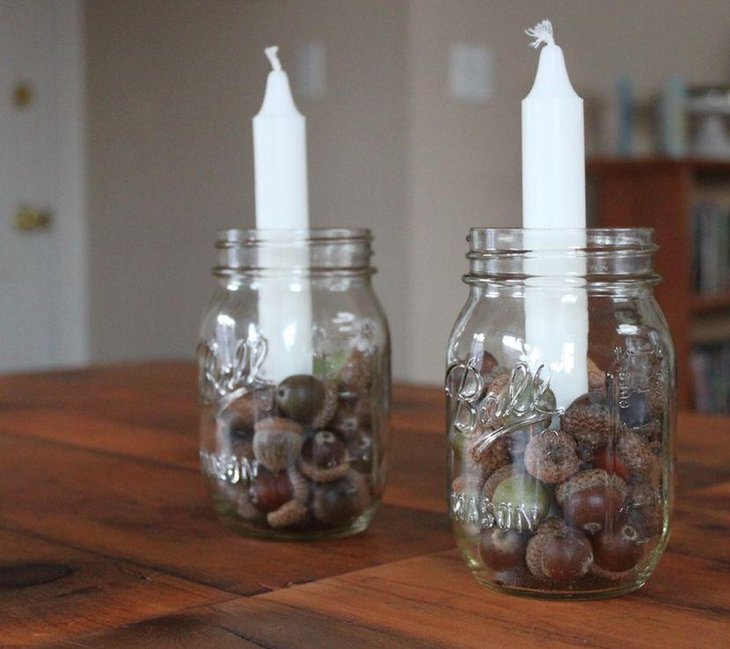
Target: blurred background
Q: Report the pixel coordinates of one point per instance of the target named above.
(126, 127)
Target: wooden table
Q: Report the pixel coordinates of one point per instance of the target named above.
(107, 539)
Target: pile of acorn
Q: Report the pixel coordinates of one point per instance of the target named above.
(308, 442)
(589, 489)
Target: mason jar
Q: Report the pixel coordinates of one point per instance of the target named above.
(294, 369)
(561, 395)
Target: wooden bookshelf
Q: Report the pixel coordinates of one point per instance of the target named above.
(660, 193)
(702, 304)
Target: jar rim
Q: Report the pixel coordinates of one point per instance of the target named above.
(524, 239)
(256, 236)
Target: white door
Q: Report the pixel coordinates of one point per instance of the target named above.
(43, 313)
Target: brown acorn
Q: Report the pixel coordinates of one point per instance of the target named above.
(558, 553)
(345, 419)
(324, 457)
(591, 500)
(356, 375)
(269, 491)
(495, 391)
(307, 400)
(502, 549)
(586, 420)
(340, 502)
(277, 442)
(551, 456)
(616, 550)
(494, 455)
(643, 510)
(637, 457)
(243, 407)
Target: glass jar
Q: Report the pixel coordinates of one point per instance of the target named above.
(561, 396)
(294, 375)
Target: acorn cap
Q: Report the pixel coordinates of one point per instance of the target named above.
(638, 458)
(493, 456)
(356, 375)
(338, 502)
(609, 574)
(277, 442)
(500, 474)
(329, 407)
(289, 514)
(249, 403)
(558, 553)
(324, 457)
(466, 484)
(551, 456)
(299, 485)
(590, 479)
(644, 511)
(587, 420)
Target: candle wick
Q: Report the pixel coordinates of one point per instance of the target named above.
(271, 54)
(542, 33)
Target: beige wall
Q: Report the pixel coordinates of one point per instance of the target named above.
(172, 87)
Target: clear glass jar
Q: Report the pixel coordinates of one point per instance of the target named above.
(561, 395)
(295, 384)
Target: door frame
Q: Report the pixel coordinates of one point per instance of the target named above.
(71, 223)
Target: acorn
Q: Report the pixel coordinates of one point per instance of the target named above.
(520, 502)
(504, 472)
(587, 420)
(345, 419)
(340, 502)
(502, 549)
(306, 400)
(559, 553)
(324, 457)
(643, 510)
(591, 500)
(241, 408)
(467, 486)
(605, 458)
(616, 550)
(551, 456)
(356, 375)
(492, 456)
(360, 451)
(637, 457)
(289, 514)
(494, 394)
(269, 491)
(277, 442)
(299, 484)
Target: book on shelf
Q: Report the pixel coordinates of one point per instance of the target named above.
(711, 248)
(711, 373)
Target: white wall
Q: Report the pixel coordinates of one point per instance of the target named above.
(172, 87)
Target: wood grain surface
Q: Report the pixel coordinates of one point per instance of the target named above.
(107, 539)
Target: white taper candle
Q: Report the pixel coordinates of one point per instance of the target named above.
(282, 207)
(553, 197)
